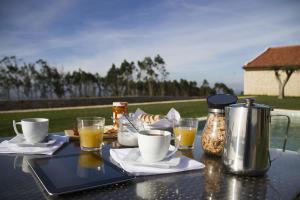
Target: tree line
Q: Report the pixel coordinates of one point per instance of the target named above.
(148, 77)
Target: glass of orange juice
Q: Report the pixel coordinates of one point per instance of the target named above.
(90, 132)
(186, 128)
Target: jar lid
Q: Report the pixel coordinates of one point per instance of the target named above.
(216, 111)
(120, 103)
(219, 101)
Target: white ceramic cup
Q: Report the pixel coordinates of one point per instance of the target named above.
(154, 145)
(34, 129)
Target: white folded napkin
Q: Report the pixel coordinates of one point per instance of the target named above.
(12, 146)
(121, 155)
(134, 157)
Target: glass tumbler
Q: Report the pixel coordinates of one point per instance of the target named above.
(186, 128)
(90, 132)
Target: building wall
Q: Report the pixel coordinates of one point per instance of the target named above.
(264, 82)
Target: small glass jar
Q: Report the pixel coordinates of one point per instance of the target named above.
(128, 131)
(119, 109)
(213, 134)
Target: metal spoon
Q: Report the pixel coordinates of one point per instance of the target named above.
(131, 123)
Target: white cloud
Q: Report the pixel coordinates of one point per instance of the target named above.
(38, 16)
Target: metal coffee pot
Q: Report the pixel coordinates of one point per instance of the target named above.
(246, 149)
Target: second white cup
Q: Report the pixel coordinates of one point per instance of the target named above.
(154, 145)
(34, 129)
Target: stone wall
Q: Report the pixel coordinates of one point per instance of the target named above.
(263, 82)
(73, 102)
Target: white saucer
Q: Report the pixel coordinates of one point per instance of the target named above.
(134, 157)
(20, 141)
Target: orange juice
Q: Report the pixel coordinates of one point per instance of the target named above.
(187, 135)
(90, 137)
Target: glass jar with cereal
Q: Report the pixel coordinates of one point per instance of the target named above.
(213, 134)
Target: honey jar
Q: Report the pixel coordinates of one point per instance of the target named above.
(119, 109)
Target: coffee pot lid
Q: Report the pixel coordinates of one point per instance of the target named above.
(219, 101)
(249, 103)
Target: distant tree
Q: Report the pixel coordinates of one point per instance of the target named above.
(205, 90)
(177, 86)
(68, 80)
(193, 89)
(15, 77)
(172, 88)
(5, 81)
(11, 75)
(149, 77)
(57, 81)
(184, 87)
(142, 88)
(147, 73)
(100, 84)
(92, 84)
(85, 82)
(51, 81)
(159, 64)
(150, 71)
(77, 82)
(44, 78)
(126, 71)
(114, 80)
(221, 88)
(282, 81)
(27, 80)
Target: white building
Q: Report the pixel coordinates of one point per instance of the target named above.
(260, 77)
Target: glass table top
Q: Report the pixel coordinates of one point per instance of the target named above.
(282, 181)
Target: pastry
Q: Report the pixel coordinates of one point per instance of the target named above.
(148, 118)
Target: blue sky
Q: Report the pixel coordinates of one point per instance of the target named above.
(198, 39)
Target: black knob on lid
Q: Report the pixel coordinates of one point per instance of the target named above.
(219, 101)
(249, 101)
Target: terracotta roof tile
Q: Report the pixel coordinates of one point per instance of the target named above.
(276, 57)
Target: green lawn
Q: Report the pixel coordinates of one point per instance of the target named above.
(65, 119)
(292, 103)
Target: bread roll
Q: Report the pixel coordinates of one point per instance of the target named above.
(148, 118)
(156, 117)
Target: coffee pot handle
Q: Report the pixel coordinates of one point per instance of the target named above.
(286, 130)
(177, 144)
(285, 136)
